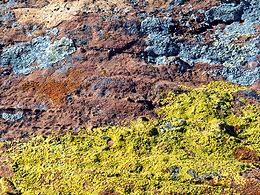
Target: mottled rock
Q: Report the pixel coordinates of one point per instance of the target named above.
(225, 13)
(175, 170)
(77, 64)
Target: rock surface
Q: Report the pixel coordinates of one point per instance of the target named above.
(77, 64)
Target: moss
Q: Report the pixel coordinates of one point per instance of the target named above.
(140, 158)
(6, 187)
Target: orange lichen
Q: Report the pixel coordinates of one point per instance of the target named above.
(237, 129)
(104, 73)
(106, 35)
(30, 86)
(245, 155)
(56, 91)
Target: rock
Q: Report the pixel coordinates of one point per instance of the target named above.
(225, 13)
(193, 173)
(161, 46)
(12, 117)
(204, 177)
(73, 64)
(56, 12)
(175, 170)
(252, 173)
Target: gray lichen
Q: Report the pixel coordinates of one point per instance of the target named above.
(7, 4)
(220, 53)
(177, 2)
(22, 56)
(7, 16)
(235, 29)
(252, 12)
(160, 44)
(12, 117)
(241, 76)
(155, 25)
(233, 57)
(225, 13)
(59, 49)
(53, 31)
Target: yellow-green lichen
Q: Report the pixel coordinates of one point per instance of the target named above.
(191, 132)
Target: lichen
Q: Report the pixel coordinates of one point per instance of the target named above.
(56, 91)
(23, 55)
(12, 117)
(6, 187)
(60, 49)
(142, 159)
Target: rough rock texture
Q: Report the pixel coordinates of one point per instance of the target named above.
(91, 68)
(76, 64)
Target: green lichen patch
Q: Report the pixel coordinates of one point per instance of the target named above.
(59, 49)
(188, 149)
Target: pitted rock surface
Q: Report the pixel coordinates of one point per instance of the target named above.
(79, 64)
(76, 64)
